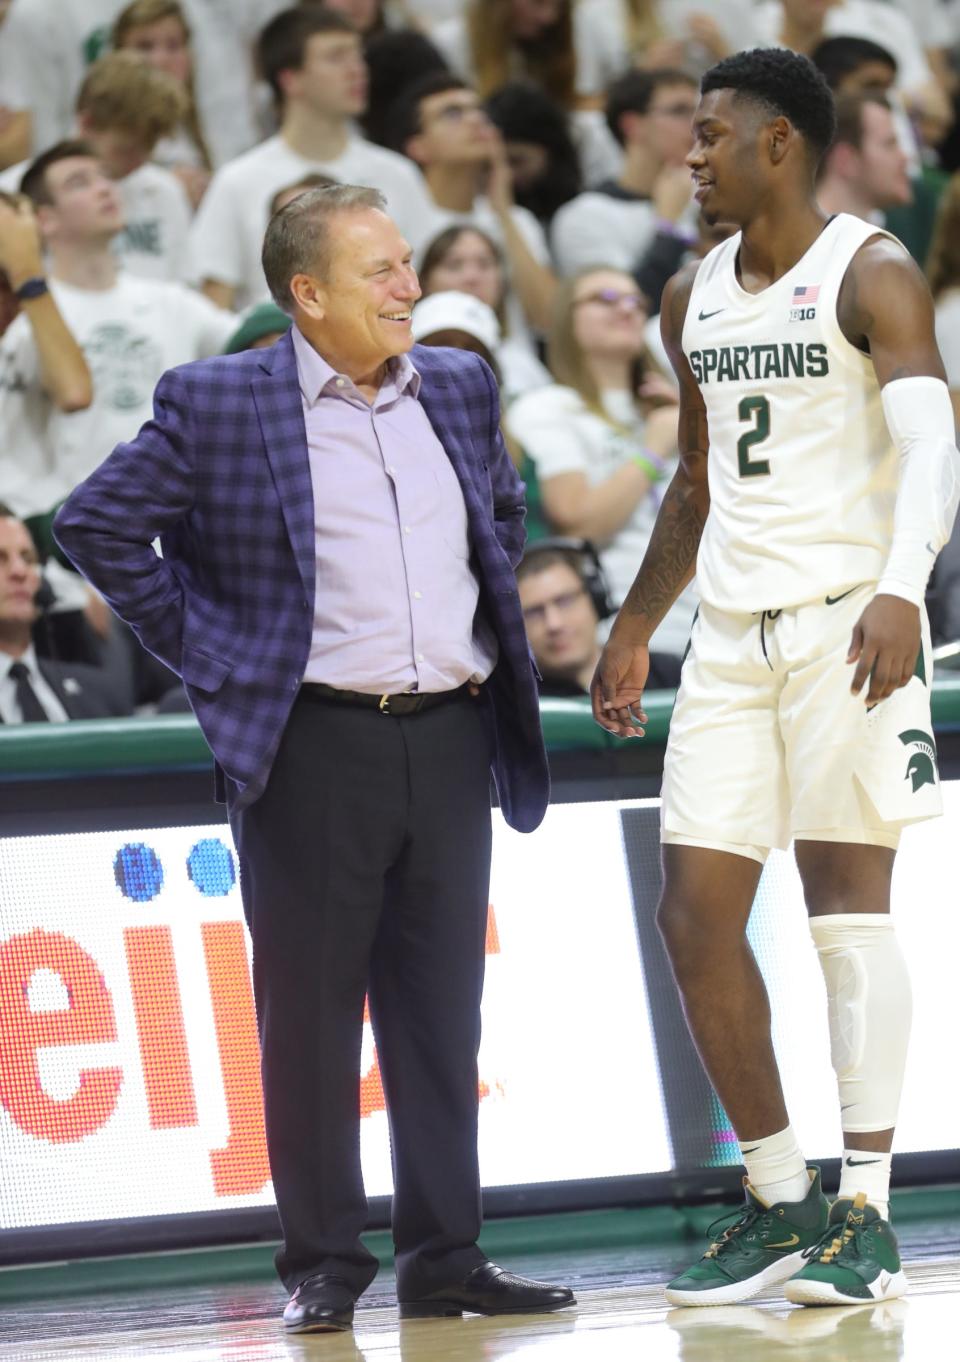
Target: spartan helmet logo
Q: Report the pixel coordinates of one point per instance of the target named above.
(922, 766)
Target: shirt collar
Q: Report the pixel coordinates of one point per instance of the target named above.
(316, 376)
(29, 660)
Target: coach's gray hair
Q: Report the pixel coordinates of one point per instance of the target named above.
(297, 239)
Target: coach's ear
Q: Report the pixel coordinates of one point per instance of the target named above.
(310, 295)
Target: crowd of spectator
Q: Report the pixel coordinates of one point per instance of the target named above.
(531, 151)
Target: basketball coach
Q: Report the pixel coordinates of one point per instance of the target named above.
(340, 523)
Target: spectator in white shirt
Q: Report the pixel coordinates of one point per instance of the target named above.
(157, 30)
(802, 24)
(650, 114)
(441, 124)
(313, 60)
(465, 259)
(130, 330)
(600, 449)
(123, 109)
(47, 46)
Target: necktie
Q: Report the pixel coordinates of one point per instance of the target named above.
(30, 707)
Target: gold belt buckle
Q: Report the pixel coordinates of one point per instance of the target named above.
(384, 705)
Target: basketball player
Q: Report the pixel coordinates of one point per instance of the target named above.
(818, 481)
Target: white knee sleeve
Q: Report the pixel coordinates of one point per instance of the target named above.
(869, 1009)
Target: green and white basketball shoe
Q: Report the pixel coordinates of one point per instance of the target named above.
(756, 1247)
(856, 1261)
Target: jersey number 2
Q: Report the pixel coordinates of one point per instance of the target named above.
(756, 410)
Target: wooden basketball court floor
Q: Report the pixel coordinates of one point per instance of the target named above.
(621, 1316)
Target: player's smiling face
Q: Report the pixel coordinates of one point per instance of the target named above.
(724, 159)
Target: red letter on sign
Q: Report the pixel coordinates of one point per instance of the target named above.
(241, 1166)
(163, 1037)
(88, 1017)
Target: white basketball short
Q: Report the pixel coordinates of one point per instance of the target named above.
(768, 744)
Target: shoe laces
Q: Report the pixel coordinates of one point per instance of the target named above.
(738, 1227)
(848, 1240)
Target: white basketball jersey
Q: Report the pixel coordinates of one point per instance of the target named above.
(802, 469)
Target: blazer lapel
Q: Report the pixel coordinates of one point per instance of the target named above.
(435, 400)
(276, 394)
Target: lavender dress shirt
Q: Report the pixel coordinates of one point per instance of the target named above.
(396, 599)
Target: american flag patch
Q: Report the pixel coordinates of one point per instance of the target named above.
(803, 296)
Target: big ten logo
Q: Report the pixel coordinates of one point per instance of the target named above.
(53, 994)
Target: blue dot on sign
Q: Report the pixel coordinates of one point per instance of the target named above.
(210, 866)
(138, 872)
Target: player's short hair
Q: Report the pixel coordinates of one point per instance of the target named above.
(122, 92)
(34, 180)
(297, 239)
(282, 44)
(785, 84)
(839, 57)
(633, 92)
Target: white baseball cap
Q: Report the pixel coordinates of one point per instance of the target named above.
(452, 310)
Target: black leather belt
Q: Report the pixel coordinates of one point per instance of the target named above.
(408, 702)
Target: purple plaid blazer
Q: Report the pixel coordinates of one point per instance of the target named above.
(221, 475)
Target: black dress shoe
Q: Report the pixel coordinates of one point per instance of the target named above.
(489, 1290)
(320, 1304)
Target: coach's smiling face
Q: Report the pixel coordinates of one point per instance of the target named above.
(357, 309)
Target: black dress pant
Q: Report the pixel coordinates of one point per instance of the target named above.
(365, 867)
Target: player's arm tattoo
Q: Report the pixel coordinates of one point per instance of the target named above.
(671, 557)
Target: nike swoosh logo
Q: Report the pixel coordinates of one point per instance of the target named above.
(858, 1163)
(832, 600)
(752, 1150)
(705, 316)
(792, 1242)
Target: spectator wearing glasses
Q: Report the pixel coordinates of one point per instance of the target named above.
(649, 113)
(600, 446)
(441, 124)
(564, 598)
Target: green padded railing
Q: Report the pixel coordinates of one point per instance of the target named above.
(174, 742)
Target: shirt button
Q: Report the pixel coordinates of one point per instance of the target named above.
(341, 382)
(406, 529)
(419, 657)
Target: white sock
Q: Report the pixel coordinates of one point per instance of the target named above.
(863, 1170)
(776, 1168)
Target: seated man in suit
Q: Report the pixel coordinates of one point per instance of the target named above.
(340, 523)
(36, 690)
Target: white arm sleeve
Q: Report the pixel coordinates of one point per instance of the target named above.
(920, 419)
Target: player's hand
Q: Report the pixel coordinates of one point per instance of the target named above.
(617, 689)
(884, 645)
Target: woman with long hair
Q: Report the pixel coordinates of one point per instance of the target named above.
(603, 437)
(159, 32)
(467, 260)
